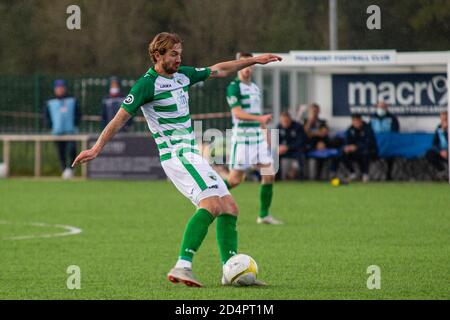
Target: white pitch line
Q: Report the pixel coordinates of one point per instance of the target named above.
(70, 230)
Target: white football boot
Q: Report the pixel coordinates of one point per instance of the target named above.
(365, 178)
(67, 174)
(268, 220)
(183, 275)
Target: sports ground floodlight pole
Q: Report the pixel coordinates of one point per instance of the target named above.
(332, 4)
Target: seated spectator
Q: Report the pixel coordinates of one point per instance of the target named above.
(384, 121)
(112, 102)
(321, 148)
(292, 142)
(360, 146)
(438, 154)
(313, 123)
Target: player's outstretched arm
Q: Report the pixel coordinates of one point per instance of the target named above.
(108, 133)
(242, 115)
(228, 68)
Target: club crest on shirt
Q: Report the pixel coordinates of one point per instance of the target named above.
(232, 99)
(129, 99)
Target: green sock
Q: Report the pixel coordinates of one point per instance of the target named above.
(227, 184)
(195, 232)
(265, 199)
(227, 237)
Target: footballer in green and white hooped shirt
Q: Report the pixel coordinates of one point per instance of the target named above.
(249, 147)
(162, 95)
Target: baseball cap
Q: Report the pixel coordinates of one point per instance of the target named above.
(59, 83)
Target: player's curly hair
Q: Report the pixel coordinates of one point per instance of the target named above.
(161, 43)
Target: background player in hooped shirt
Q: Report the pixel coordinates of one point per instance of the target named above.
(162, 95)
(249, 147)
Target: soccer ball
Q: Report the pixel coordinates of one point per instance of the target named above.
(240, 270)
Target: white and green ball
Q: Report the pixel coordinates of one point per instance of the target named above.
(240, 270)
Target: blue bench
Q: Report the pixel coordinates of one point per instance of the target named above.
(403, 145)
(408, 149)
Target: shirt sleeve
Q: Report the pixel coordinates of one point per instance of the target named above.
(195, 74)
(77, 113)
(141, 93)
(47, 119)
(300, 139)
(436, 140)
(348, 137)
(372, 141)
(395, 124)
(233, 95)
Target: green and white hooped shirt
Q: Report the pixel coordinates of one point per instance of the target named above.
(165, 104)
(248, 97)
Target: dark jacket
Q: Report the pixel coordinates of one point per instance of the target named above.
(110, 106)
(440, 139)
(312, 144)
(294, 137)
(363, 138)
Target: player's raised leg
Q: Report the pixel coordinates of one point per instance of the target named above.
(194, 177)
(194, 234)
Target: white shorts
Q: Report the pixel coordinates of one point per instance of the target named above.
(193, 176)
(246, 155)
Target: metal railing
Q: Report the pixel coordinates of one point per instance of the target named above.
(38, 139)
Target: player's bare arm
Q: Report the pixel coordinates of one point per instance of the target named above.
(242, 115)
(108, 133)
(228, 68)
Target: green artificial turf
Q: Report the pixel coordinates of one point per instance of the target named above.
(131, 233)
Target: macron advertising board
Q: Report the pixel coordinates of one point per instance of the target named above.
(417, 94)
